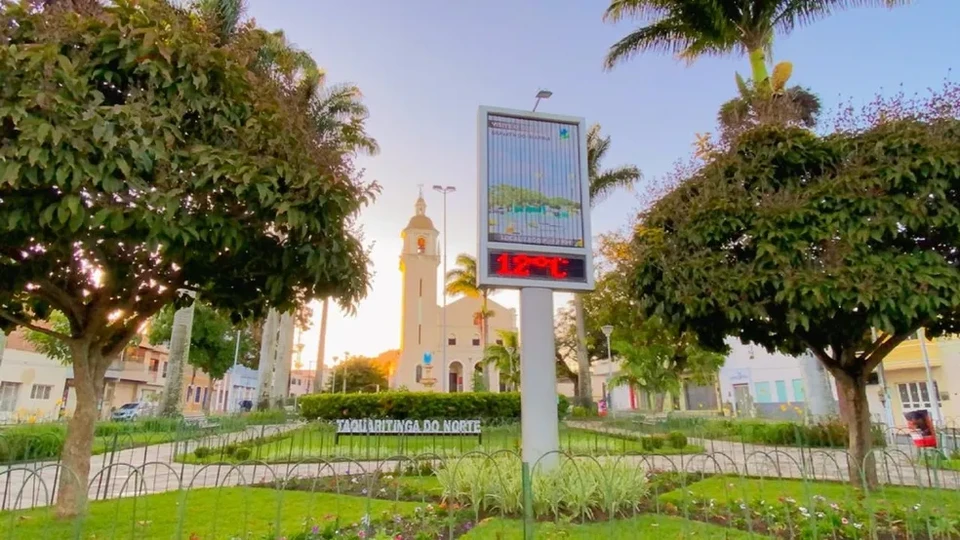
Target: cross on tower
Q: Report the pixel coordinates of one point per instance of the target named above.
(420, 187)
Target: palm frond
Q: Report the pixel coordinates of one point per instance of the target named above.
(666, 36)
(795, 13)
(605, 183)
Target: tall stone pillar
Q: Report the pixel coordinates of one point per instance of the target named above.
(172, 401)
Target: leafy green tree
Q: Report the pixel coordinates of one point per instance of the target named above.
(139, 157)
(796, 241)
(602, 182)
(788, 106)
(658, 360)
(48, 344)
(213, 341)
(506, 358)
(694, 28)
(362, 375)
(462, 280)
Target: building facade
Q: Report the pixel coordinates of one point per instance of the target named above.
(421, 363)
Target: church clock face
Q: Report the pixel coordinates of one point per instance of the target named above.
(421, 244)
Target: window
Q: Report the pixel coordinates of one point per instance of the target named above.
(781, 392)
(915, 396)
(165, 369)
(8, 396)
(798, 390)
(421, 244)
(421, 287)
(418, 372)
(40, 391)
(452, 339)
(476, 340)
(419, 334)
(189, 393)
(196, 398)
(762, 390)
(154, 365)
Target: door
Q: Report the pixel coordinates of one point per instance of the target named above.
(741, 398)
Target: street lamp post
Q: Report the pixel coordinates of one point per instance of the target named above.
(608, 331)
(343, 375)
(444, 190)
(541, 94)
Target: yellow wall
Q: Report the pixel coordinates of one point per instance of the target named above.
(905, 365)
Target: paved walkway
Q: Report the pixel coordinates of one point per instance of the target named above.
(895, 465)
(153, 469)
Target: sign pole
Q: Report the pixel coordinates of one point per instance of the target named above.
(534, 235)
(539, 424)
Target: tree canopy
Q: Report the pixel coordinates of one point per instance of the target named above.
(796, 241)
(141, 155)
(213, 341)
(362, 374)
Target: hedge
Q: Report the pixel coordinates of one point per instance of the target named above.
(488, 406)
(828, 433)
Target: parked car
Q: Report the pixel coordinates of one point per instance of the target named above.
(131, 411)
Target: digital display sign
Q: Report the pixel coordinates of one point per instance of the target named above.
(540, 266)
(534, 193)
(533, 201)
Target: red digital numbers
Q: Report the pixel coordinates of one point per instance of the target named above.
(524, 265)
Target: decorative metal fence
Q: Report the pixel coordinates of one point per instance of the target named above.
(292, 481)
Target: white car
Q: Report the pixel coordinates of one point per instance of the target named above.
(131, 411)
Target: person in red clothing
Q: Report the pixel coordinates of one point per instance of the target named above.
(921, 429)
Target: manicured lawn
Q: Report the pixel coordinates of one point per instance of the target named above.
(731, 488)
(645, 526)
(205, 514)
(313, 442)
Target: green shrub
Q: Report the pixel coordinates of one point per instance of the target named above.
(652, 443)
(201, 452)
(230, 449)
(577, 489)
(677, 440)
(563, 406)
(242, 454)
(581, 412)
(31, 442)
(486, 406)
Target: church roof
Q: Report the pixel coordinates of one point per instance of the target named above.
(420, 219)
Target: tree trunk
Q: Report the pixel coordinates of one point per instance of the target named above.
(209, 397)
(180, 335)
(856, 414)
(758, 67)
(268, 356)
(659, 401)
(321, 348)
(485, 334)
(89, 369)
(585, 392)
(281, 370)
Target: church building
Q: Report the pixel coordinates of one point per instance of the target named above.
(421, 366)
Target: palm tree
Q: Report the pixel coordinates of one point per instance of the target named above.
(794, 106)
(601, 183)
(506, 358)
(694, 28)
(337, 112)
(462, 280)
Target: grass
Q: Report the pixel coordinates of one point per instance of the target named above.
(644, 526)
(200, 513)
(318, 442)
(726, 489)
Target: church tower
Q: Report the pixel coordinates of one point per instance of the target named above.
(419, 261)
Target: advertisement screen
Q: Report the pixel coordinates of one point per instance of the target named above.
(534, 182)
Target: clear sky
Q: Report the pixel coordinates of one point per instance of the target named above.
(426, 65)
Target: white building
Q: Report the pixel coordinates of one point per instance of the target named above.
(422, 319)
(31, 384)
(755, 382)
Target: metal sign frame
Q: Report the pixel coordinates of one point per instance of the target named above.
(485, 245)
